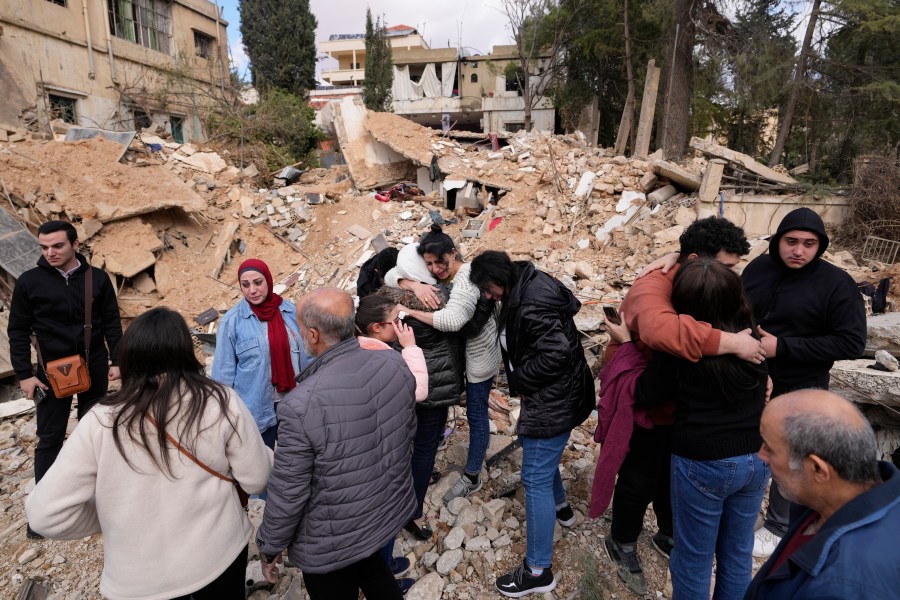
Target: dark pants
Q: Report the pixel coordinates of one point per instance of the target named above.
(227, 586)
(53, 417)
(429, 429)
(779, 512)
(645, 477)
(371, 575)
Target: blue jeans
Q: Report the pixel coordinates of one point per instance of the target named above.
(477, 395)
(429, 430)
(715, 504)
(543, 492)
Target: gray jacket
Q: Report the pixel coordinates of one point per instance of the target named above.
(341, 486)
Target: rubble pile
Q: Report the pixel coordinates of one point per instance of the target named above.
(171, 222)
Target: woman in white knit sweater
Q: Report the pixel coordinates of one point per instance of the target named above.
(468, 312)
(171, 529)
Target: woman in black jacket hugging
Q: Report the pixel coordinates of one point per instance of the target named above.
(718, 481)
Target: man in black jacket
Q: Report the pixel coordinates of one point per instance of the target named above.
(48, 302)
(810, 314)
(545, 365)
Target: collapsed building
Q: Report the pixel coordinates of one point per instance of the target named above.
(170, 222)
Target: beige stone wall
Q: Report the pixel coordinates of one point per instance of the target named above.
(44, 49)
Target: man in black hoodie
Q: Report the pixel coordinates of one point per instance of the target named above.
(810, 314)
(48, 301)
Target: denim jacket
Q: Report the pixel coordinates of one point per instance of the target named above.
(242, 360)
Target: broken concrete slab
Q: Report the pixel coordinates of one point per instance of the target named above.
(123, 138)
(208, 162)
(883, 333)
(742, 160)
(88, 229)
(359, 231)
(223, 246)
(854, 380)
(128, 262)
(677, 175)
(143, 283)
(19, 250)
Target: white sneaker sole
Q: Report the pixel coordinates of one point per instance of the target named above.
(538, 590)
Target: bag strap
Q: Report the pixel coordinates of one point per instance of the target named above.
(196, 460)
(88, 312)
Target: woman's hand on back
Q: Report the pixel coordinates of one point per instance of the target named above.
(427, 294)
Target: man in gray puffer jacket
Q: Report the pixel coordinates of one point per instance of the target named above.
(341, 486)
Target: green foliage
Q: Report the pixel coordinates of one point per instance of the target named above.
(280, 126)
(592, 585)
(379, 77)
(279, 36)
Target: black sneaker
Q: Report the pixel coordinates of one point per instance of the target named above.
(400, 566)
(565, 516)
(628, 565)
(31, 534)
(405, 584)
(663, 544)
(521, 582)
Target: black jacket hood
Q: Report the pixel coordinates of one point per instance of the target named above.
(804, 219)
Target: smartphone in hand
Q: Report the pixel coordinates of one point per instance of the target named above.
(39, 395)
(612, 315)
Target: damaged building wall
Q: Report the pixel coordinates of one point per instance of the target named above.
(759, 214)
(47, 52)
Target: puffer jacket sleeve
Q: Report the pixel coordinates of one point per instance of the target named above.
(415, 360)
(248, 456)
(61, 506)
(289, 483)
(552, 352)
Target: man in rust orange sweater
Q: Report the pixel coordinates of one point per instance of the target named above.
(655, 326)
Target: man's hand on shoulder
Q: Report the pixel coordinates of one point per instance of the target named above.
(769, 342)
(663, 263)
(28, 386)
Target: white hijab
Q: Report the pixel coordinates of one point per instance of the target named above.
(410, 265)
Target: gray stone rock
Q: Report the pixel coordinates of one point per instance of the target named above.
(883, 332)
(448, 561)
(854, 380)
(493, 511)
(886, 360)
(467, 515)
(429, 558)
(429, 587)
(502, 541)
(29, 555)
(457, 505)
(455, 538)
(478, 544)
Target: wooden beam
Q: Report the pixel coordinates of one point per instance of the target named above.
(223, 245)
(648, 110)
(712, 179)
(746, 162)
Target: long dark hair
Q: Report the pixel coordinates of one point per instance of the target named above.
(161, 378)
(709, 291)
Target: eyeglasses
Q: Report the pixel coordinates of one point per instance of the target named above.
(398, 321)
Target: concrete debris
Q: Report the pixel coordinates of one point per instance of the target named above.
(886, 361)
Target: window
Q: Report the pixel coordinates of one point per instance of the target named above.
(203, 45)
(63, 108)
(513, 127)
(141, 120)
(60, 2)
(144, 22)
(474, 78)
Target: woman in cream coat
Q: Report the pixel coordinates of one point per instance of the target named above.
(170, 528)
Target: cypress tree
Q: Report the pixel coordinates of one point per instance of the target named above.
(279, 36)
(379, 66)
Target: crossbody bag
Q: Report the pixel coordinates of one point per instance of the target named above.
(70, 375)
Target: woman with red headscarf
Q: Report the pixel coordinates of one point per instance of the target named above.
(258, 347)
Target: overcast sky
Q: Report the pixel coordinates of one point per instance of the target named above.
(476, 25)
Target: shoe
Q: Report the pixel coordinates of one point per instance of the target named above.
(764, 543)
(521, 582)
(629, 565)
(462, 488)
(435, 477)
(404, 584)
(565, 515)
(31, 534)
(663, 544)
(401, 566)
(420, 533)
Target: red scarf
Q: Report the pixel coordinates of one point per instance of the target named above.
(279, 344)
